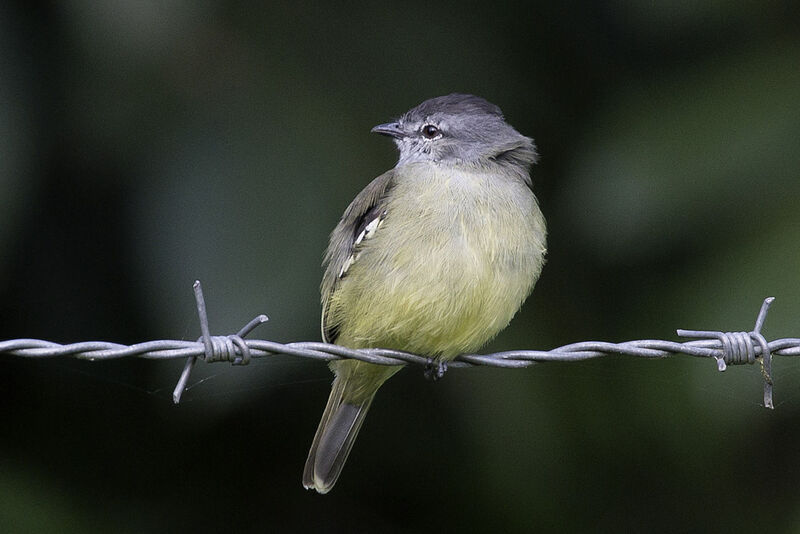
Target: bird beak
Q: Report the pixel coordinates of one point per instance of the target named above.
(392, 129)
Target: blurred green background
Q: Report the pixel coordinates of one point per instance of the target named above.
(144, 145)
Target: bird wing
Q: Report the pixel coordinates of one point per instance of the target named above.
(359, 222)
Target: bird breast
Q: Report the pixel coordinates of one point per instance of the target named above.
(457, 252)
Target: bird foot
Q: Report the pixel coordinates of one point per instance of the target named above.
(435, 369)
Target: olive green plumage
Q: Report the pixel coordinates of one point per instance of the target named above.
(433, 257)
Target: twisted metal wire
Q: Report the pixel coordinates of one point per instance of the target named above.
(727, 348)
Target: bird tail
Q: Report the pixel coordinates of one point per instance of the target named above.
(335, 436)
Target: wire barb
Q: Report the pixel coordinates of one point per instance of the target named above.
(740, 347)
(730, 348)
(232, 348)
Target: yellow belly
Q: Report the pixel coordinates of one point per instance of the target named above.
(457, 254)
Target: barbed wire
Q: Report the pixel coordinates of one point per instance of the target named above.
(727, 348)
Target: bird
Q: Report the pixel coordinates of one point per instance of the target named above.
(433, 257)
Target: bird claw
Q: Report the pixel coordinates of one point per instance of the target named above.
(435, 369)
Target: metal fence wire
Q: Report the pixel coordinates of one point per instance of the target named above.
(727, 348)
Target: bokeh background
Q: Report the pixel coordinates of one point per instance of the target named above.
(144, 145)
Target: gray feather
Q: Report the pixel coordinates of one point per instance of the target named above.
(355, 218)
(334, 439)
(454, 104)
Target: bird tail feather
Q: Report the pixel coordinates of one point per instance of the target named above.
(334, 438)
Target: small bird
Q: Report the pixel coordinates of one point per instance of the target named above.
(433, 257)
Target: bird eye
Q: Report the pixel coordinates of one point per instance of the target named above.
(430, 131)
